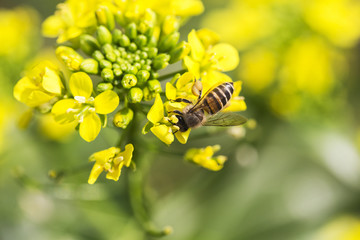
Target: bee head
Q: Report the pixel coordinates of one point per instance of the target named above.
(183, 127)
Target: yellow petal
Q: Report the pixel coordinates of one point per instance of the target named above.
(164, 133)
(182, 137)
(103, 156)
(170, 91)
(106, 102)
(226, 55)
(208, 37)
(21, 86)
(237, 104)
(156, 112)
(36, 98)
(197, 48)
(115, 173)
(184, 80)
(213, 79)
(51, 81)
(95, 173)
(127, 154)
(192, 66)
(237, 88)
(81, 85)
(63, 111)
(90, 127)
(52, 26)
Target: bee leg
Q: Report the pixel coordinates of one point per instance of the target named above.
(182, 100)
(197, 89)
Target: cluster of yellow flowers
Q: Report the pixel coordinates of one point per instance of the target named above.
(292, 51)
(114, 50)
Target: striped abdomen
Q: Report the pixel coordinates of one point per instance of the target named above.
(217, 98)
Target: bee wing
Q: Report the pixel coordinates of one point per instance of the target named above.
(225, 119)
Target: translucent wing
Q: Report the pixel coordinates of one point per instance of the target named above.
(225, 119)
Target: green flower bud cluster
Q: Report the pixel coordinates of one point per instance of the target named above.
(129, 57)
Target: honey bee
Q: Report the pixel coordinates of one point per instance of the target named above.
(211, 103)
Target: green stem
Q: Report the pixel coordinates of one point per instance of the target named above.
(136, 187)
(170, 75)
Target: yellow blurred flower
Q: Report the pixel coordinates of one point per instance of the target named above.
(342, 228)
(72, 18)
(40, 85)
(111, 161)
(83, 108)
(18, 28)
(204, 157)
(209, 61)
(55, 131)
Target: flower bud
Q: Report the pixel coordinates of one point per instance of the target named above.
(131, 30)
(107, 74)
(69, 57)
(120, 18)
(105, 64)
(116, 35)
(88, 44)
(128, 81)
(123, 117)
(107, 48)
(161, 61)
(105, 17)
(117, 72)
(98, 56)
(154, 86)
(142, 76)
(90, 66)
(141, 40)
(148, 95)
(171, 24)
(124, 41)
(135, 95)
(102, 87)
(152, 52)
(103, 35)
(169, 41)
(181, 50)
(132, 47)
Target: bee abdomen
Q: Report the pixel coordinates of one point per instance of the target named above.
(217, 98)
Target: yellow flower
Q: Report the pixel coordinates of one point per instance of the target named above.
(111, 161)
(209, 61)
(19, 24)
(237, 102)
(182, 88)
(72, 18)
(40, 85)
(204, 157)
(83, 108)
(163, 127)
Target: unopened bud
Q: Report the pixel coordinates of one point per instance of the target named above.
(171, 24)
(90, 66)
(107, 74)
(98, 56)
(123, 117)
(181, 50)
(88, 44)
(116, 35)
(103, 35)
(161, 61)
(131, 31)
(132, 47)
(154, 86)
(169, 41)
(135, 95)
(107, 48)
(142, 76)
(148, 95)
(141, 40)
(128, 81)
(69, 57)
(117, 72)
(152, 52)
(105, 17)
(120, 18)
(102, 87)
(124, 41)
(105, 64)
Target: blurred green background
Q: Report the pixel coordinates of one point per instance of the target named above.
(295, 175)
